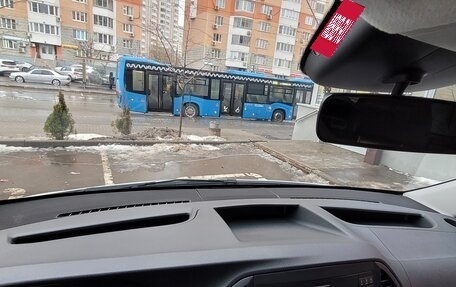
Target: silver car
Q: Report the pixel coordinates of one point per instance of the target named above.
(44, 76)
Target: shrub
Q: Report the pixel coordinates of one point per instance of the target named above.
(59, 124)
(123, 123)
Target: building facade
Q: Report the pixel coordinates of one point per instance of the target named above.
(268, 36)
(55, 32)
(162, 33)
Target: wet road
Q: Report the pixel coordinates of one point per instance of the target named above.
(23, 113)
(27, 171)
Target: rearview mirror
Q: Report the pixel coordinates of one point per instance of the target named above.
(399, 123)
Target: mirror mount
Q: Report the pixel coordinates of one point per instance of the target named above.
(403, 80)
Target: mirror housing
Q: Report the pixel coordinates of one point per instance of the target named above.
(400, 123)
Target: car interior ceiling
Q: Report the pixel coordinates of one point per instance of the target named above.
(414, 43)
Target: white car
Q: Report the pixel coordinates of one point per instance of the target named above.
(89, 69)
(23, 66)
(44, 76)
(7, 66)
(74, 73)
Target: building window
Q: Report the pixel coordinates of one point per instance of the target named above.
(240, 40)
(81, 53)
(127, 43)
(242, 23)
(290, 14)
(266, 9)
(240, 56)
(6, 3)
(261, 43)
(79, 16)
(287, 30)
(320, 8)
(108, 4)
(313, 4)
(44, 28)
(128, 10)
(260, 60)
(81, 1)
(47, 49)
(220, 3)
(264, 27)
(215, 68)
(218, 20)
(103, 38)
(215, 53)
(103, 21)
(128, 28)
(43, 8)
(306, 36)
(9, 44)
(6, 23)
(282, 63)
(308, 20)
(284, 47)
(80, 35)
(245, 5)
(217, 37)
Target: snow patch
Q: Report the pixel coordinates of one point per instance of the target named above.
(12, 149)
(206, 138)
(83, 137)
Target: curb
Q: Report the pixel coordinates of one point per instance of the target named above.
(64, 143)
(65, 89)
(298, 164)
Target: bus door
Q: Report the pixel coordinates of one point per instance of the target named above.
(160, 92)
(232, 98)
(301, 96)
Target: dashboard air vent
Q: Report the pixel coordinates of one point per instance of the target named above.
(385, 280)
(79, 212)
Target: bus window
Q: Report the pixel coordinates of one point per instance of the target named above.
(196, 87)
(138, 81)
(215, 89)
(257, 93)
(281, 95)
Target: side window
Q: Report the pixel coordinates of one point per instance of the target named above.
(257, 93)
(36, 72)
(47, 73)
(138, 81)
(215, 89)
(281, 95)
(198, 87)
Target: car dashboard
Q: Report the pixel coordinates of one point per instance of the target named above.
(305, 236)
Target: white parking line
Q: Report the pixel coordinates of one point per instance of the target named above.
(107, 173)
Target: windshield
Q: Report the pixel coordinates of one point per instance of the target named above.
(211, 90)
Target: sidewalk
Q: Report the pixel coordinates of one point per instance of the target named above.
(338, 166)
(92, 89)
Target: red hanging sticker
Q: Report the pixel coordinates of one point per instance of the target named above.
(337, 28)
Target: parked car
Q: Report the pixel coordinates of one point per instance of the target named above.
(75, 74)
(89, 69)
(24, 66)
(105, 80)
(7, 67)
(44, 76)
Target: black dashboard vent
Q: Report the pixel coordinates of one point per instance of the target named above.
(94, 210)
(385, 280)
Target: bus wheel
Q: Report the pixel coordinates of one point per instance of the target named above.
(278, 116)
(191, 110)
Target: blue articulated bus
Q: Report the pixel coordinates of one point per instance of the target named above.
(145, 85)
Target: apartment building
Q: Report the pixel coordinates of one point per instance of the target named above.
(162, 29)
(53, 32)
(268, 36)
